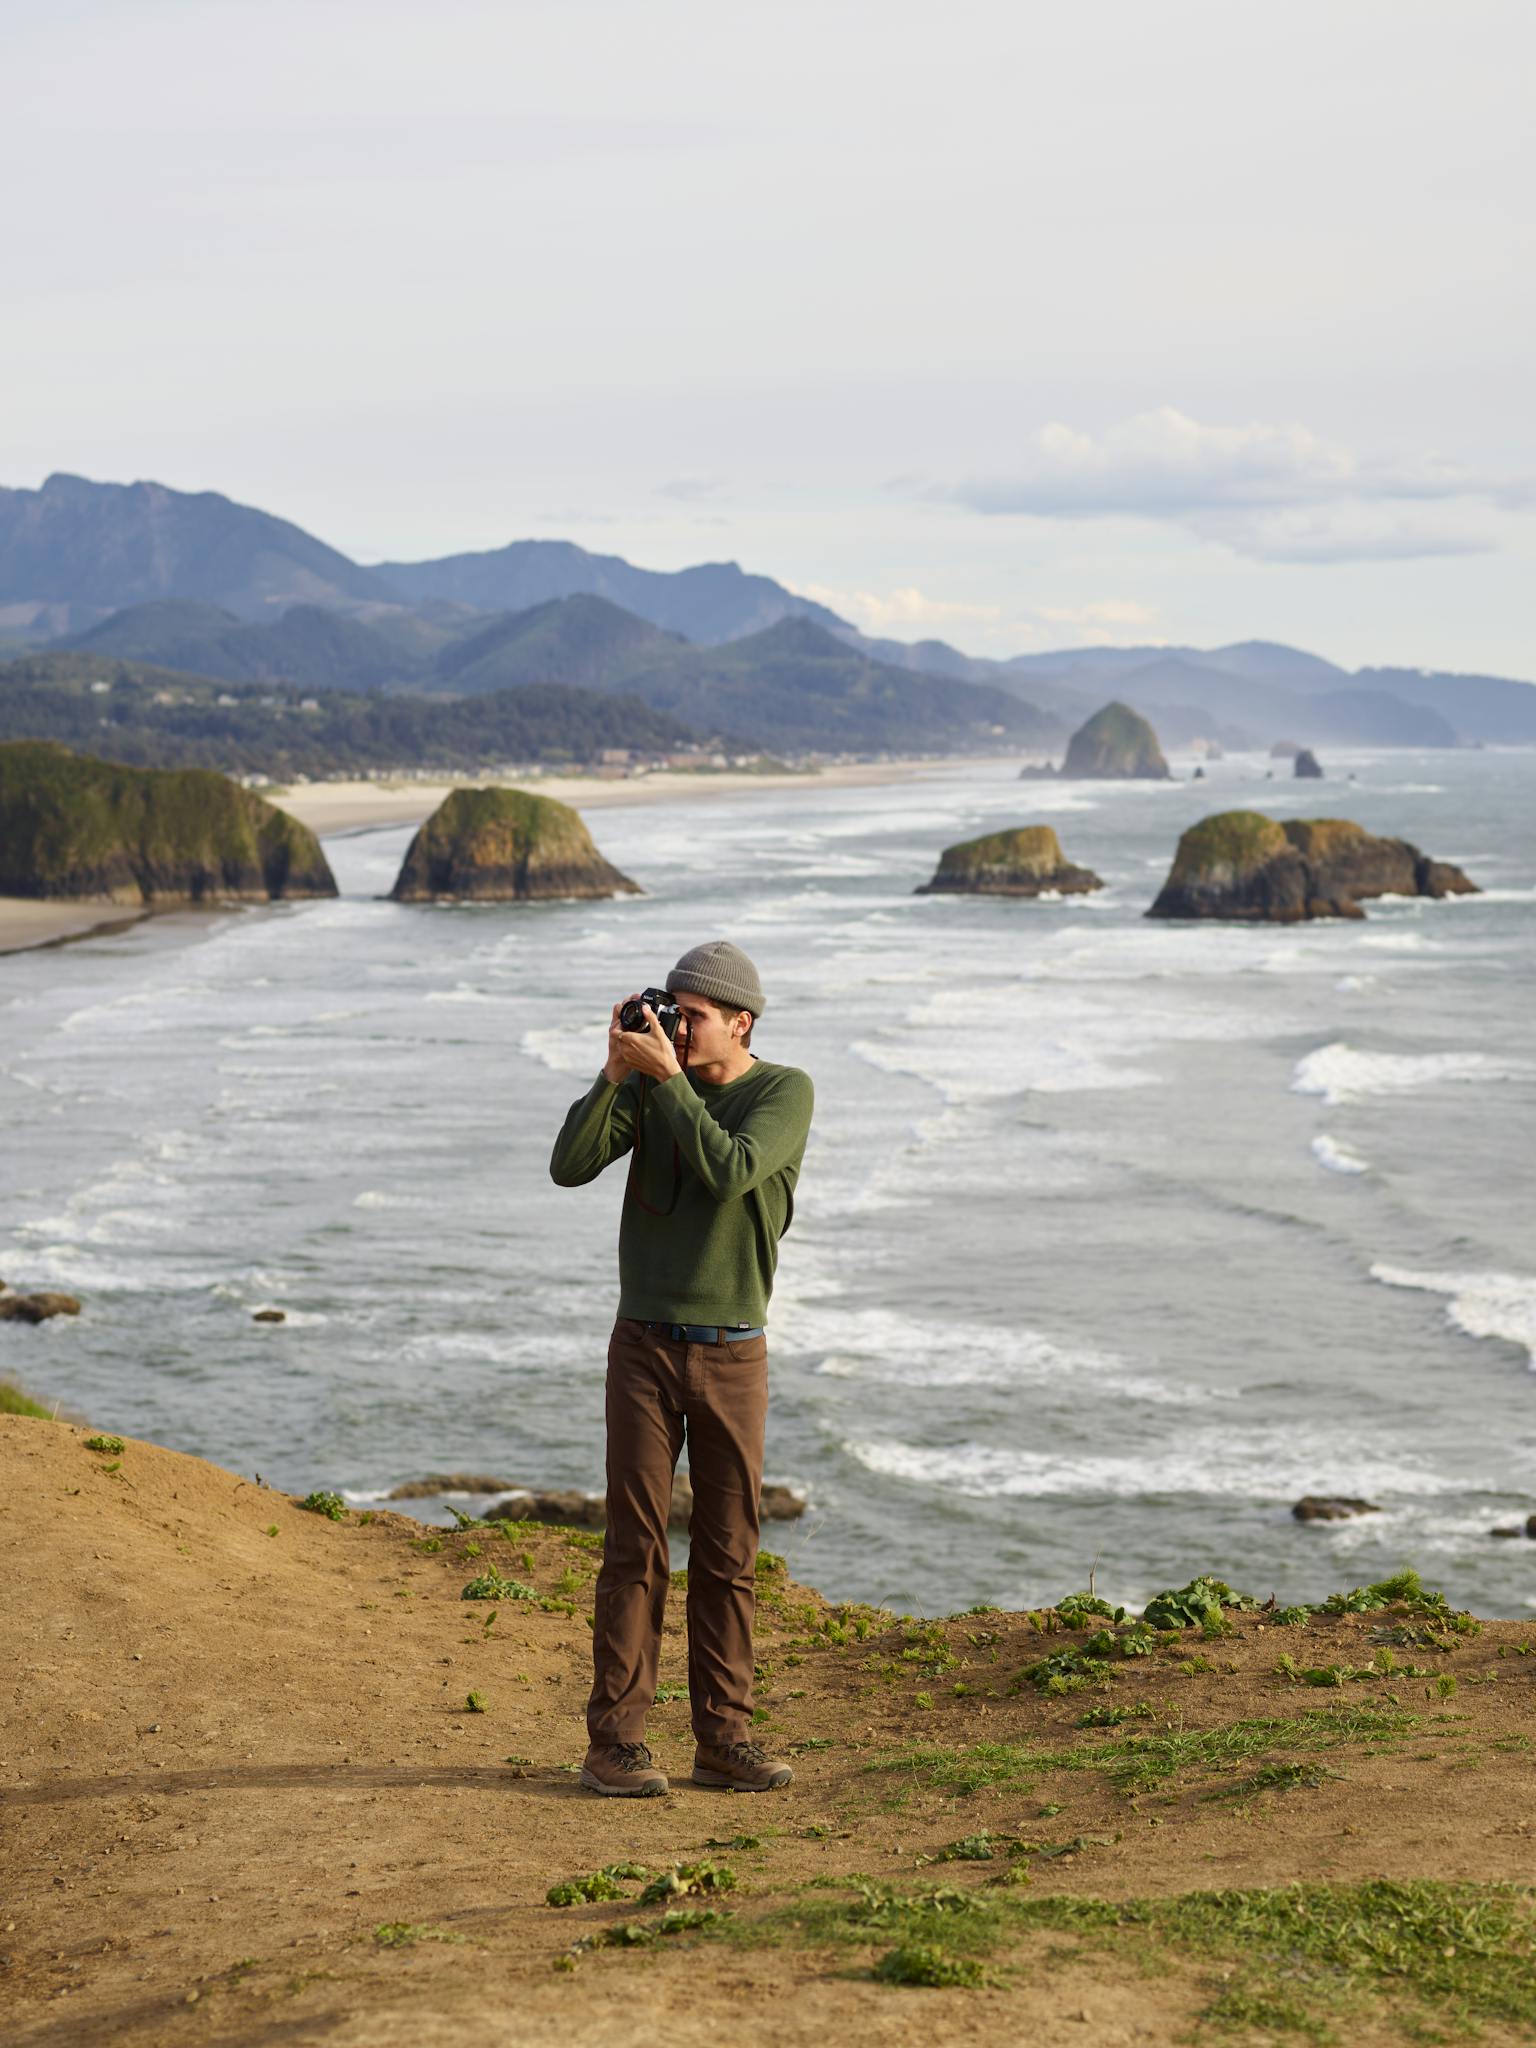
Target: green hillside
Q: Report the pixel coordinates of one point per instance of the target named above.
(154, 717)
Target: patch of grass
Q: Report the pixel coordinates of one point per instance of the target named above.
(1273, 1778)
(1144, 1762)
(474, 1703)
(1290, 1617)
(920, 1963)
(1298, 1958)
(331, 1505)
(108, 1446)
(406, 1933)
(14, 1402)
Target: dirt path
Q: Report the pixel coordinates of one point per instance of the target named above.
(230, 1757)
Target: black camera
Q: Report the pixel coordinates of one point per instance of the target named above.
(666, 1012)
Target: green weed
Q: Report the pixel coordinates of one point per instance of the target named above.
(331, 1505)
(1194, 1606)
(490, 1585)
(108, 1446)
(405, 1934)
(687, 1878)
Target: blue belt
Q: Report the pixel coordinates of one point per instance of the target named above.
(707, 1333)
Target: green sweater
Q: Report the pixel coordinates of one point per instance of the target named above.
(736, 1160)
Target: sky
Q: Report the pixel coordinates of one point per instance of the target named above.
(1013, 324)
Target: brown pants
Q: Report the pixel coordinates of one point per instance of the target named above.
(659, 1394)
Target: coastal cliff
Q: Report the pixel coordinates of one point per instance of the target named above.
(1025, 860)
(282, 1771)
(75, 827)
(1243, 866)
(505, 846)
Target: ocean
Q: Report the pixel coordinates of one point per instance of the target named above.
(1113, 1238)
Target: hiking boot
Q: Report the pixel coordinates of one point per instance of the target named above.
(739, 1767)
(622, 1770)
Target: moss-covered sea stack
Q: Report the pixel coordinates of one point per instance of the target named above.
(1243, 866)
(72, 826)
(1116, 745)
(505, 846)
(1027, 860)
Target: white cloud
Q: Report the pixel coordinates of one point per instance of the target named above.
(1349, 532)
(690, 490)
(901, 611)
(1107, 612)
(1273, 492)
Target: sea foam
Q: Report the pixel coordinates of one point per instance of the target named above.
(1336, 1157)
(1210, 1463)
(1345, 1073)
(1501, 1305)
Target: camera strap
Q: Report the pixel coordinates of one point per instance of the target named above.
(632, 1184)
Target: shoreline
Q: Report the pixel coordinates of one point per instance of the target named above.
(331, 809)
(28, 924)
(328, 808)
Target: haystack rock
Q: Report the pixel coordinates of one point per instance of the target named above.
(1241, 865)
(1307, 765)
(72, 826)
(1026, 860)
(1116, 745)
(505, 846)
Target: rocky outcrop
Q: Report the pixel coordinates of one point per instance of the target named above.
(1527, 1528)
(1025, 860)
(504, 846)
(447, 1482)
(1308, 767)
(72, 826)
(1116, 745)
(36, 1308)
(1243, 866)
(1332, 1507)
(589, 1510)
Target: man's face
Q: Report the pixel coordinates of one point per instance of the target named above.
(704, 1033)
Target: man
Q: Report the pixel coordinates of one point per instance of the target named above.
(714, 1137)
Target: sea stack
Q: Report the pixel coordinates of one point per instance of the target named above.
(504, 846)
(1116, 745)
(72, 826)
(1025, 860)
(1308, 767)
(1248, 868)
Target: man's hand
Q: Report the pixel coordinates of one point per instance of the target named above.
(647, 1052)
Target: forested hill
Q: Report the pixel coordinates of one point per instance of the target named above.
(148, 717)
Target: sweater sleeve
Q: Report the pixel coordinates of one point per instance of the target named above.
(732, 1163)
(597, 1130)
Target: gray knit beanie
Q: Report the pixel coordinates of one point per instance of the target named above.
(722, 972)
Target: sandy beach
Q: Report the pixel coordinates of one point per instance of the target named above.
(26, 922)
(328, 807)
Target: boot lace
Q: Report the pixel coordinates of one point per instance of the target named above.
(630, 1756)
(746, 1753)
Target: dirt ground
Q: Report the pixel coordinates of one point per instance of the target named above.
(236, 1745)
